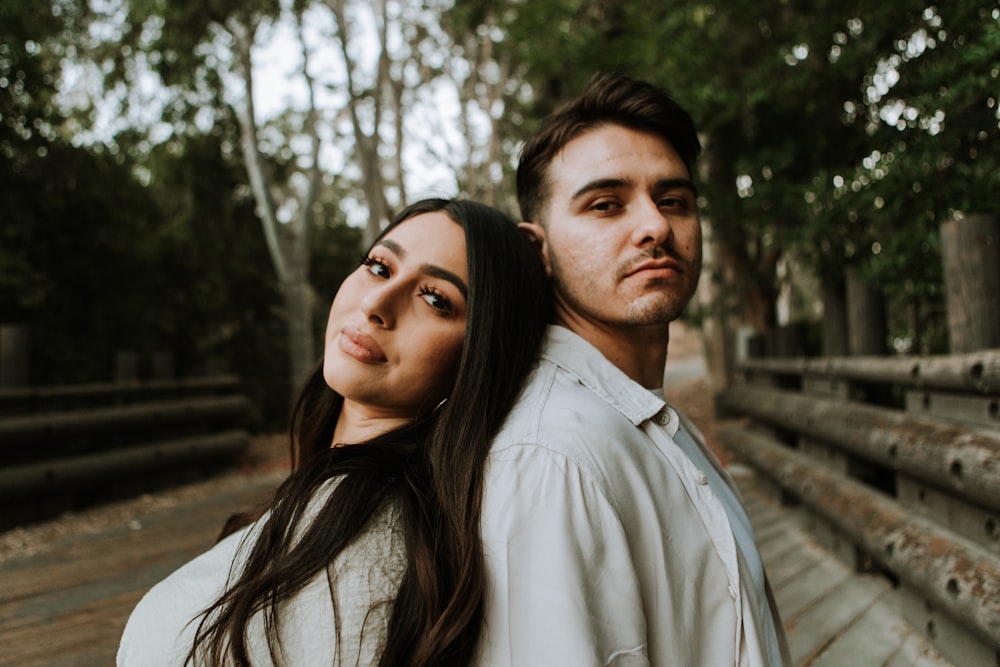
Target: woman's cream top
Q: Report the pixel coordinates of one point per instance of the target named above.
(338, 619)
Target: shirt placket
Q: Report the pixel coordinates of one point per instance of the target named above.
(665, 425)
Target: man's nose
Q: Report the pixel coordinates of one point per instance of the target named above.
(652, 226)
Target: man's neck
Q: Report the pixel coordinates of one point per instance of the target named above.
(639, 352)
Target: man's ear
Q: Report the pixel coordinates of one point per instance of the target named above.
(536, 234)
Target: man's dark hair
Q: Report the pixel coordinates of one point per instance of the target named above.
(609, 99)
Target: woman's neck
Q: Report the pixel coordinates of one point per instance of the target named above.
(359, 423)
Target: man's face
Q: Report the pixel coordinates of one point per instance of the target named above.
(623, 238)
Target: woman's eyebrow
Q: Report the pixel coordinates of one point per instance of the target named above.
(394, 247)
(436, 271)
(432, 270)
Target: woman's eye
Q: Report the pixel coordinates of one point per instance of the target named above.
(376, 267)
(436, 300)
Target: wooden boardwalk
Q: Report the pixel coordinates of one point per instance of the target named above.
(68, 604)
(833, 616)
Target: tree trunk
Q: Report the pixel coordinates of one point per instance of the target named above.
(366, 145)
(866, 316)
(970, 251)
(752, 282)
(834, 318)
(288, 244)
(298, 299)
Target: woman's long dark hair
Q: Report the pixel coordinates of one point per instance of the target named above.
(432, 469)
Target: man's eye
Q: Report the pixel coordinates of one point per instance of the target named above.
(673, 202)
(605, 205)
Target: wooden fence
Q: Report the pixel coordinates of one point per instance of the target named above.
(66, 446)
(896, 460)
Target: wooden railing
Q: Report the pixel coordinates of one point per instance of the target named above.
(64, 446)
(897, 463)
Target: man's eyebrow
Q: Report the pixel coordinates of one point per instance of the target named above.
(620, 183)
(601, 184)
(444, 274)
(672, 183)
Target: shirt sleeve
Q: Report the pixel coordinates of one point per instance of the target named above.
(562, 585)
(161, 629)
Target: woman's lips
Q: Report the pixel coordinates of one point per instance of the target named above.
(359, 345)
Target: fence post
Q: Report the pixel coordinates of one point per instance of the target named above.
(163, 365)
(13, 355)
(970, 253)
(834, 317)
(866, 328)
(126, 366)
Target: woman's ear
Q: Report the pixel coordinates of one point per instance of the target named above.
(536, 234)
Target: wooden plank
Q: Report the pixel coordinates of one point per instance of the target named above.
(854, 621)
(962, 458)
(917, 652)
(84, 588)
(972, 372)
(879, 637)
(965, 584)
(809, 586)
(784, 565)
(822, 624)
(68, 605)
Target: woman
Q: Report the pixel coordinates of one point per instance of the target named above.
(370, 552)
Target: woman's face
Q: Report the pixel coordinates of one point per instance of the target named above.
(397, 323)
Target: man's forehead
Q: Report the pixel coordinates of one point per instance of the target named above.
(613, 153)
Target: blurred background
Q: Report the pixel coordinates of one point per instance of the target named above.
(184, 183)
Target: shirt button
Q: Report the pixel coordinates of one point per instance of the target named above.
(701, 477)
(663, 418)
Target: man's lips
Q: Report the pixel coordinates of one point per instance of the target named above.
(656, 268)
(359, 345)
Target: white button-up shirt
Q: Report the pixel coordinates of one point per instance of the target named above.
(605, 544)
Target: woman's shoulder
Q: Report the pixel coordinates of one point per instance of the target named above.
(161, 627)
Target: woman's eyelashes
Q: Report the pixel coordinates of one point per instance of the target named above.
(431, 295)
(436, 300)
(376, 266)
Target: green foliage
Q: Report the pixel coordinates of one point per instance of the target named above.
(141, 246)
(842, 133)
(80, 224)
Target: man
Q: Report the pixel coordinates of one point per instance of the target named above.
(612, 535)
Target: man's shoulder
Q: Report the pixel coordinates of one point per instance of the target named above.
(558, 416)
(557, 398)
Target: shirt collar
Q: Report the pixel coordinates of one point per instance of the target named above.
(579, 358)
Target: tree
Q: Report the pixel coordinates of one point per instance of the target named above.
(205, 54)
(805, 109)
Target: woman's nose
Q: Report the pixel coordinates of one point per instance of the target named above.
(377, 307)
